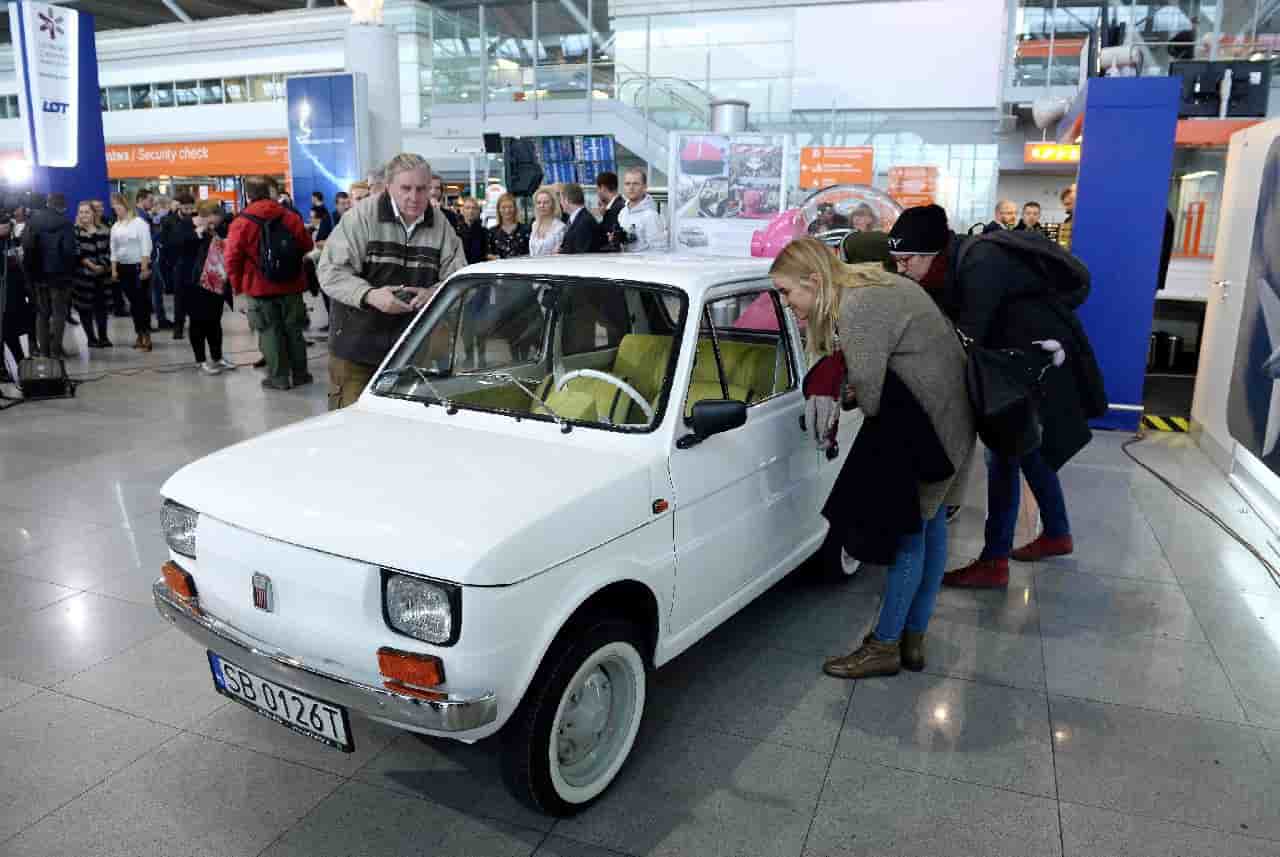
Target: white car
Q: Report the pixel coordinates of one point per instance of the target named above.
(567, 471)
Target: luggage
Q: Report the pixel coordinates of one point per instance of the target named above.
(44, 378)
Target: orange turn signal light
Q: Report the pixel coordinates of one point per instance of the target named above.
(410, 669)
(179, 581)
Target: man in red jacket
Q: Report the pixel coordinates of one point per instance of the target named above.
(276, 309)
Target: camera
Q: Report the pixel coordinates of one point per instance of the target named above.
(627, 236)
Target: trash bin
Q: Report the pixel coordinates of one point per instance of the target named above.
(1173, 350)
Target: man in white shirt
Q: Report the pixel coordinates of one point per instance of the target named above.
(642, 226)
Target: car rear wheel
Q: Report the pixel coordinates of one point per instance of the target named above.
(578, 722)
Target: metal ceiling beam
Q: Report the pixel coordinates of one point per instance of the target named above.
(172, 6)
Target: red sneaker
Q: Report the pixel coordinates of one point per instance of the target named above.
(1044, 546)
(980, 574)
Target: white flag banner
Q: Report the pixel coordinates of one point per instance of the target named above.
(47, 57)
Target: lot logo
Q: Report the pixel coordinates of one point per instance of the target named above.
(56, 107)
(51, 24)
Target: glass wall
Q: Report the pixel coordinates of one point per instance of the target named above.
(192, 93)
(456, 55)
(1159, 34)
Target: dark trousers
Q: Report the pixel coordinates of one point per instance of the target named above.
(118, 305)
(178, 288)
(1004, 496)
(52, 303)
(160, 275)
(139, 292)
(94, 313)
(206, 332)
(279, 322)
(12, 341)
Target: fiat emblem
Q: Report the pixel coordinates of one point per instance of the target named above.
(262, 595)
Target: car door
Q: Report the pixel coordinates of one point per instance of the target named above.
(742, 499)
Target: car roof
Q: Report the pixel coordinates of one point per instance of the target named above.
(692, 274)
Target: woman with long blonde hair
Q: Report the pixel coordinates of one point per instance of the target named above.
(896, 353)
(548, 229)
(131, 264)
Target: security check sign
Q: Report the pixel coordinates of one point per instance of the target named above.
(47, 57)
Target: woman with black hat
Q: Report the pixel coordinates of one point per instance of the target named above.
(1005, 299)
(878, 336)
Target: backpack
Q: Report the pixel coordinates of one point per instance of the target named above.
(279, 256)
(1065, 277)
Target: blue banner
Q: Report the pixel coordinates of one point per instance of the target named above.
(56, 56)
(324, 136)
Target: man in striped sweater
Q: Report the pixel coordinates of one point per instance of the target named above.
(380, 265)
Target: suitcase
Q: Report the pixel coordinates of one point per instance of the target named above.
(44, 378)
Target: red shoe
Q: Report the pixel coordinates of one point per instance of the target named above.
(1044, 546)
(980, 574)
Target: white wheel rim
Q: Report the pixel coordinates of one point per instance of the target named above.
(596, 722)
(848, 564)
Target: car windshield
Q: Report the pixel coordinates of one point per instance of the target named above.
(574, 351)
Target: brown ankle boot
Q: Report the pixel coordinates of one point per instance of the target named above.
(872, 659)
(146, 342)
(912, 648)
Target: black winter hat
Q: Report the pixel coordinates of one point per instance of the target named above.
(867, 247)
(922, 229)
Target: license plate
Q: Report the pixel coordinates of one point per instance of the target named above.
(304, 714)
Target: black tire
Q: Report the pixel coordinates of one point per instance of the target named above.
(527, 738)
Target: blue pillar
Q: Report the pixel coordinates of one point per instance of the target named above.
(1122, 196)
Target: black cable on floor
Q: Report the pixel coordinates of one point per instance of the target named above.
(1202, 509)
(164, 368)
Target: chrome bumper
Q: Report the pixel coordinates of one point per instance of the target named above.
(456, 712)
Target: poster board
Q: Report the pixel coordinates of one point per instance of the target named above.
(723, 188)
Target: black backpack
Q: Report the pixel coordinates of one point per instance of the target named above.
(279, 256)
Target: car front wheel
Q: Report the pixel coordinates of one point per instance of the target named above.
(578, 722)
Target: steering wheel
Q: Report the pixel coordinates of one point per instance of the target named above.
(611, 379)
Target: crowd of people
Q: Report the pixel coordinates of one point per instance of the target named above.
(891, 320)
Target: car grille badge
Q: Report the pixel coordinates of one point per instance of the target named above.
(263, 598)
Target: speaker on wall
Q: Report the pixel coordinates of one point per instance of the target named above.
(493, 144)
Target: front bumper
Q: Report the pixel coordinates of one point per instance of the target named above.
(455, 712)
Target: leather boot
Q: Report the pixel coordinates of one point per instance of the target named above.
(979, 574)
(912, 648)
(872, 659)
(137, 342)
(146, 342)
(1044, 546)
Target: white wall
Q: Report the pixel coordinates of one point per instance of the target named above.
(899, 55)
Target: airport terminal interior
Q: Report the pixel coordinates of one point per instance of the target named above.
(559, 559)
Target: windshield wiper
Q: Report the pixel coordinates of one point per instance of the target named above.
(422, 377)
(565, 425)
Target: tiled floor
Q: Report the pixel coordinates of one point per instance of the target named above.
(1123, 702)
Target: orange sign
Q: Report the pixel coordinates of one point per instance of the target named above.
(912, 186)
(824, 166)
(220, 158)
(1051, 153)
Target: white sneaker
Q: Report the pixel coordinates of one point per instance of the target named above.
(208, 367)
(227, 365)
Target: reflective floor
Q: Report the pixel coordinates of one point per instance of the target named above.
(1123, 702)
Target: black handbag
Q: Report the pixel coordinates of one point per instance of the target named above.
(1004, 392)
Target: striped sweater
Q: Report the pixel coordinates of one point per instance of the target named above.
(94, 245)
(371, 248)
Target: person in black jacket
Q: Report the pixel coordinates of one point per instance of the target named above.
(50, 255)
(1030, 221)
(16, 317)
(580, 237)
(609, 235)
(206, 292)
(1001, 300)
(1006, 217)
(178, 233)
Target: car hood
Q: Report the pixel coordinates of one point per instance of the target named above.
(449, 500)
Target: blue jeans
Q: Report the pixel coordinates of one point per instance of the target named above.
(1004, 492)
(912, 583)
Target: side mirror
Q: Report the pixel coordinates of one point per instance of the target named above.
(712, 417)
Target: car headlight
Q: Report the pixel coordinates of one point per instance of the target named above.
(422, 609)
(179, 525)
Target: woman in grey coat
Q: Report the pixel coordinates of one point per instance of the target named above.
(883, 323)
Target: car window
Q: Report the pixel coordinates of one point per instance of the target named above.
(572, 350)
(742, 350)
